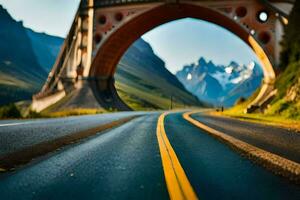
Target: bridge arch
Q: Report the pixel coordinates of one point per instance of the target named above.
(112, 48)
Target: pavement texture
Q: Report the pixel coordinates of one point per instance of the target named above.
(16, 135)
(125, 163)
(280, 141)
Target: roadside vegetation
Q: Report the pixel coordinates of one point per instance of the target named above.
(263, 118)
(156, 92)
(146, 99)
(274, 115)
(75, 112)
(10, 111)
(21, 110)
(284, 109)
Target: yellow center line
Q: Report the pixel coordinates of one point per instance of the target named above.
(178, 184)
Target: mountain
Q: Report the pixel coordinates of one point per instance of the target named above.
(143, 81)
(22, 51)
(45, 47)
(218, 84)
(26, 57)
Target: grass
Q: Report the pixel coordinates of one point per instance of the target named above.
(145, 99)
(134, 102)
(274, 120)
(239, 108)
(73, 112)
(21, 110)
(286, 79)
(143, 92)
(280, 112)
(284, 110)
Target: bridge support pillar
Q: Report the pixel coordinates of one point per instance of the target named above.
(106, 94)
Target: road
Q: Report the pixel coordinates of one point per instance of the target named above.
(130, 162)
(19, 134)
(283, 142)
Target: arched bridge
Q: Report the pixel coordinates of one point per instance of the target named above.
(104, 29)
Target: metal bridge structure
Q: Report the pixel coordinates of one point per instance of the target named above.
(103, 30)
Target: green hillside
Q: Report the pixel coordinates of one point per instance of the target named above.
(287, 102)
(21, 72)
(26, 57)
(285, 107)
(143, 82)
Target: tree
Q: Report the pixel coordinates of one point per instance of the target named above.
(291, 39)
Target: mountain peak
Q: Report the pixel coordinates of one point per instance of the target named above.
(212, 83)
(233, 64)
(143, 46)
(202, 61)
(4, 15)
(210, 63)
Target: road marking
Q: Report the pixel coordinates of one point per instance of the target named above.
(15, 124)
(279, 165)
(27, 154)
(178, 184)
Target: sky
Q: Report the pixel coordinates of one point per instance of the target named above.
(50, 16)
(184, 41)
(178, 43)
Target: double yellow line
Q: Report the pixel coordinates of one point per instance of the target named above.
(178, 184)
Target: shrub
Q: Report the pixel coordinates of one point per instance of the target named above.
(10, 111)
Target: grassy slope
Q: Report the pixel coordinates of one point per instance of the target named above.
(281, 111)
(20, 73)
(15, 88)
(281, 105)
(285, 107)
(270, 118)
(141, 91)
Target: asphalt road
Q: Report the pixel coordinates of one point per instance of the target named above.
(280, 141)
(126, 163)
(16, 135)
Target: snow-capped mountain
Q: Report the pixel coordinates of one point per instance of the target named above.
(218, 84)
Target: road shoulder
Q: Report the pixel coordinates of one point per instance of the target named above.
(273, 162)
(259, 119)
(13, 160)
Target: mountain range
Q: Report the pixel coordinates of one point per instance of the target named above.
(220, 85)
(25, 59)
(142, 80)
